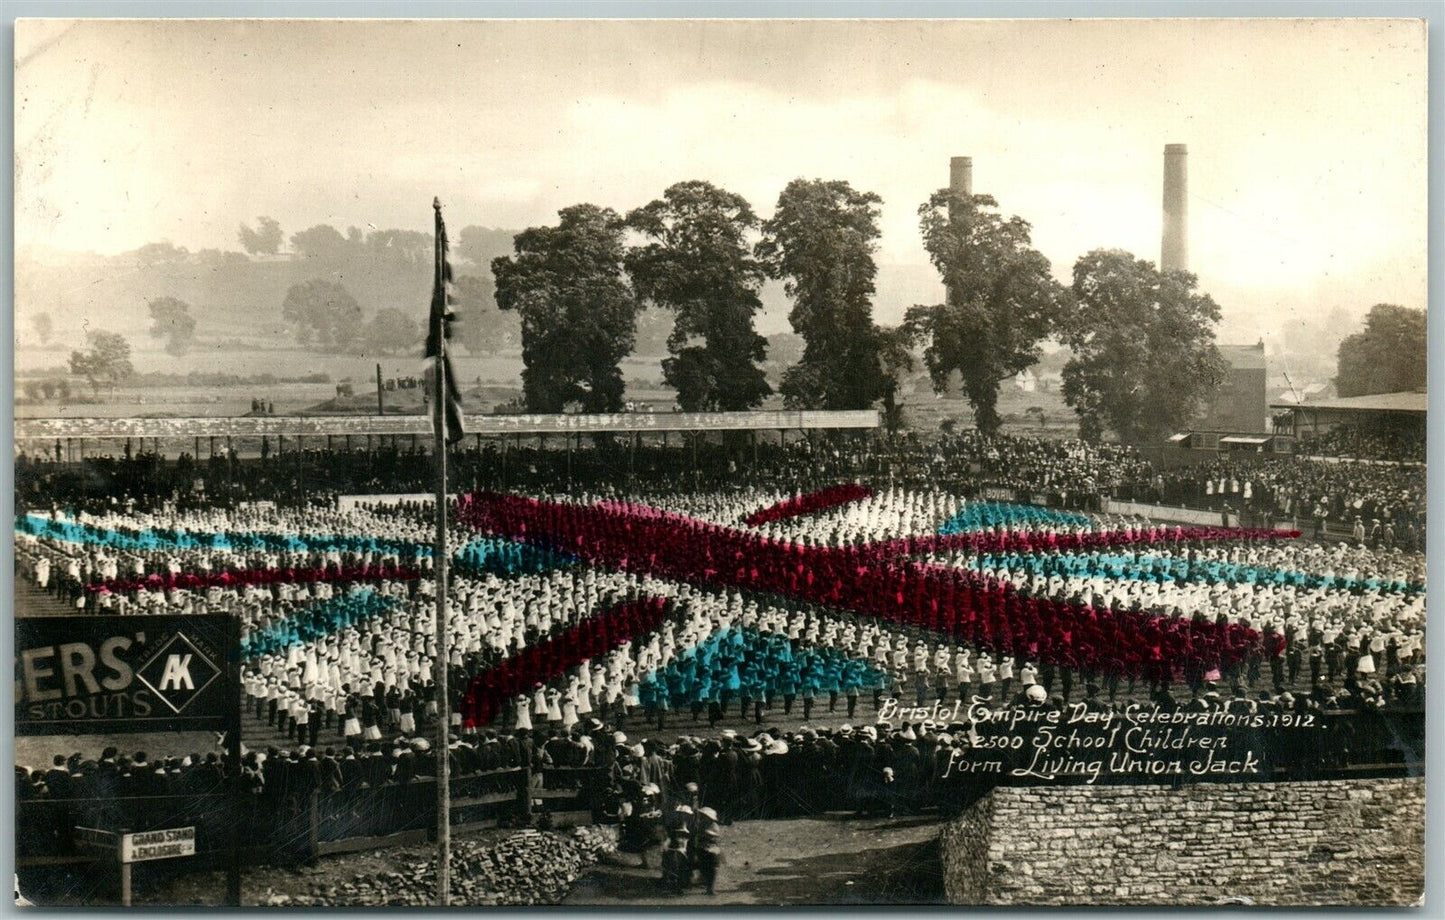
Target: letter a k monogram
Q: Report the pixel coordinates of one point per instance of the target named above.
(177, 673)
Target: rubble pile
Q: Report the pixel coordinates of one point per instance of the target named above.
(527, 868)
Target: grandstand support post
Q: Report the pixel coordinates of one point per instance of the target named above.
(439, 556)
(125, 884)
(238, 798)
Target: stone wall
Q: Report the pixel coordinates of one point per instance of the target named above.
(1293, 844)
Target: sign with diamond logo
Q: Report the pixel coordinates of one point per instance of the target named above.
(178, 672)
(89, 674)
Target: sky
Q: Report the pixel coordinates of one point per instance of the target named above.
(1307, 155)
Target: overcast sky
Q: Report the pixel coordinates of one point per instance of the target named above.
(1306, 138)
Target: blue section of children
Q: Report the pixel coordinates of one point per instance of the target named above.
(316, 621)
(496, 556)
(143, 540)
(1159, 568)
(749, 664)
(485, 554)
(987, 514)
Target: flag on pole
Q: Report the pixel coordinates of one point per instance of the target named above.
(439, 332)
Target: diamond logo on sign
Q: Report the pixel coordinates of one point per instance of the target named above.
(178, 672)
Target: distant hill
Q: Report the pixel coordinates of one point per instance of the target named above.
(232, 295)
(236, 299)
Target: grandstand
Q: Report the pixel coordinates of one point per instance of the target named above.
(1381, 427)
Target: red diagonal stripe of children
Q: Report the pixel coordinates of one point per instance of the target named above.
(242, 577)
(487, 695)
(811, 503)
(872, 580)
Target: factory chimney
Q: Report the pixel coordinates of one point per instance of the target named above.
(960, 185)
(960, 175)
(1174, 251)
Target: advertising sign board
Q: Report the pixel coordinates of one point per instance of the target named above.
(97, 674)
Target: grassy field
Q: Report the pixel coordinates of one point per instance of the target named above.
(1040, 413)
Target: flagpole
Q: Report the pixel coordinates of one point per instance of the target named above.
(439, 557)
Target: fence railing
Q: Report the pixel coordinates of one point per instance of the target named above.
(300, 825)
(297, 826)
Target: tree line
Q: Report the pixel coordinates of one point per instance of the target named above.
(1143, 360)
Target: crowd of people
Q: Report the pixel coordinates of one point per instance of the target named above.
(877, 764)
(349, 667)
(753, 665)
(1057, 473)
(1360, 443)
(1386, 502)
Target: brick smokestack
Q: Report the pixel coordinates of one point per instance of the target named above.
(1174, 251)
(960, 175)
(960, 185)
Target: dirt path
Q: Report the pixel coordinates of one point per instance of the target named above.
(826, 860)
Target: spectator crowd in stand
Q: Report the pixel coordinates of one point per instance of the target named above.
(1359, 443)
(1057, 473)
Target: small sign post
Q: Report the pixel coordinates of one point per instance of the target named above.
(124, 848)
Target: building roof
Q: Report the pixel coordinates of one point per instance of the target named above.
(1243, 357)
(1408, 401)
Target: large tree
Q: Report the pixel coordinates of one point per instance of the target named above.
(405, 247)
(820, 240)
(264, 240)
(578, 313)
(171, 320)
(322, 313)
(1388, 356)
(697, 262)
(480, 327)
(107, 360)
(391, 331)
(322, 241)
(1144, 360)
(1000, 303)
(895, 352)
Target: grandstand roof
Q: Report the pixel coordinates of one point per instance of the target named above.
(1407, 401)
(489, 425)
